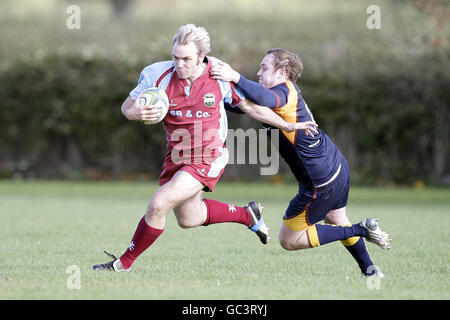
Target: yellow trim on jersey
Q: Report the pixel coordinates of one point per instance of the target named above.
(297, 223)
(288, 112)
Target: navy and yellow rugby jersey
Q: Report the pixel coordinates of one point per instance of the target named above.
(314, 161)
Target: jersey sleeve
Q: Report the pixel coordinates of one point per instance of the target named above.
(236, 96)
(149, 76)
(272, 98)
(145, 82)
(232, 96)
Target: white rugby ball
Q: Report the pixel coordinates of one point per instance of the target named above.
(158, 97)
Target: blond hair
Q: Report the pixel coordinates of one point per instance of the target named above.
(191, 33)
(287, 60)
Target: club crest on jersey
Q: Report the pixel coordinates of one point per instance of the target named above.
(209, 99)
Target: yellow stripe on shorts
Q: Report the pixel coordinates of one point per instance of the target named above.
(297, 223)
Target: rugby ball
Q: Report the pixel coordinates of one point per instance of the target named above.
(155, 96)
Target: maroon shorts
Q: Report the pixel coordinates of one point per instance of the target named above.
(207, 173)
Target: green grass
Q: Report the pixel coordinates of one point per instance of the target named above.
(48, 226)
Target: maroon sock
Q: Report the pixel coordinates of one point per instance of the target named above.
(143, 238)
(219, 212)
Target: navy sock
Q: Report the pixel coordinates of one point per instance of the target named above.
(329, 233)
(360, 254)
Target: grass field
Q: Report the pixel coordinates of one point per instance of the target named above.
(48, 226)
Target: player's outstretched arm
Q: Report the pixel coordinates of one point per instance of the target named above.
(252, 90)
(266, 115)
(135, 112)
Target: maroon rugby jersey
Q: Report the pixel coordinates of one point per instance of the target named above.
(196, 123)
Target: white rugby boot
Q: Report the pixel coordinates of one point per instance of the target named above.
(375, 234)
(258, 225)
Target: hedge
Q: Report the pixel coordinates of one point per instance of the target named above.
(60, 118)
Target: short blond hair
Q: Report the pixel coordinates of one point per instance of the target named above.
(191, 33)
(287, 60)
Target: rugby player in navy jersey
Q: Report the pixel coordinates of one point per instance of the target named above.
(316, 162)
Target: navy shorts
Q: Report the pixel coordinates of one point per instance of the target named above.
(310, 206)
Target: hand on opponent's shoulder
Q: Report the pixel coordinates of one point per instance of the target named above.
(223, 71)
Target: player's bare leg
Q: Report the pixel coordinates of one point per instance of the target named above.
(337, 217)
(177, 190)
(192, 212)
(181, 188)
(293, 240)
(197, 211)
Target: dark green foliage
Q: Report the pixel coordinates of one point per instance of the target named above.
(60, 117)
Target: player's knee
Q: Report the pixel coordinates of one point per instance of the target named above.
(294, 243)
(186, 217)
(186, 223)
(157, 207)
(286, 244)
